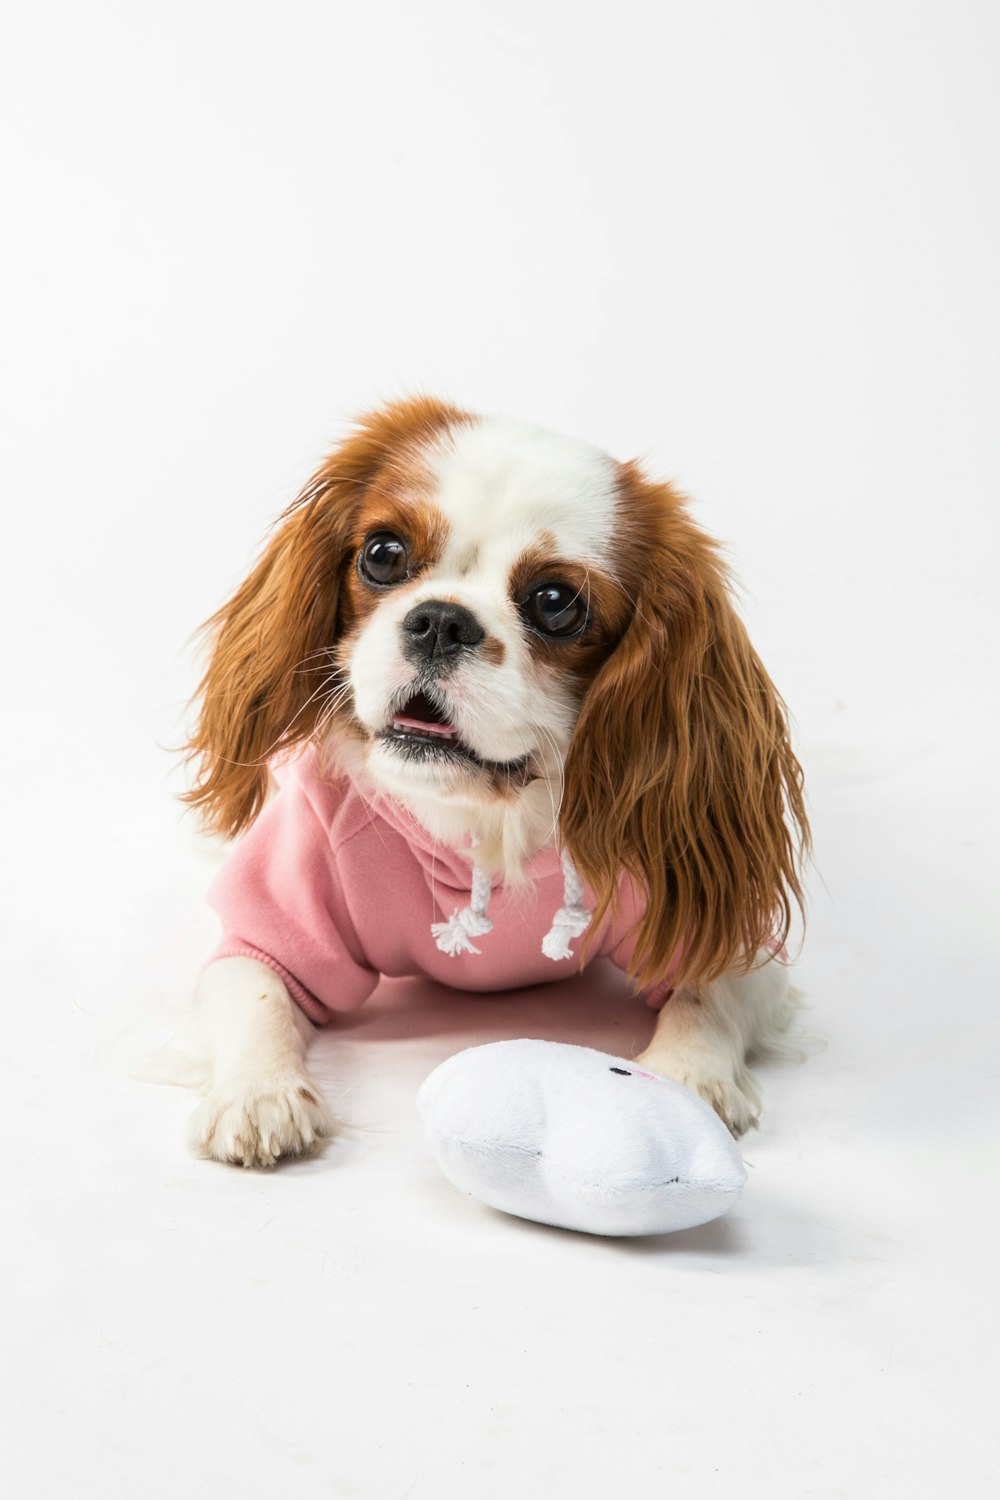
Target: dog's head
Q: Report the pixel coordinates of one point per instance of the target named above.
(519, 637)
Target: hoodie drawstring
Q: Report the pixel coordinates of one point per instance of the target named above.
(455, 936)
(570, 921)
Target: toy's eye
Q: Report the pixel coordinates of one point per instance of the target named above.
(555, 609)
(623, 1071)
(384, 559)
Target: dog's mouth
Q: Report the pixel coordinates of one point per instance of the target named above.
(421, 730)
(422, 718)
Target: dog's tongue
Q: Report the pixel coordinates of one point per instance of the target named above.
(420, 714)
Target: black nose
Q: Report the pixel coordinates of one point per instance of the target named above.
(438, 629)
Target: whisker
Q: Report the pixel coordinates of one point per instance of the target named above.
(546, 734)
(263, 758)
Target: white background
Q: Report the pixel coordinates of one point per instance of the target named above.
(755, 244)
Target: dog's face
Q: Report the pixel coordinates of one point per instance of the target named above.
(489, 617)
(483, 595)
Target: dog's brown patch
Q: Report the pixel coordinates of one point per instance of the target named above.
(415, 521)
(607, 607)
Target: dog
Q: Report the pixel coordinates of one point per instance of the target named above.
(515, 724)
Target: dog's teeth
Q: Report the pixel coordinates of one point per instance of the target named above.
(445, 731)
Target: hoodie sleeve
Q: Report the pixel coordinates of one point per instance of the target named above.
(619, 945)
(280, 902)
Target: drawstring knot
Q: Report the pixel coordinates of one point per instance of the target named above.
(571, 920)
(455, 936)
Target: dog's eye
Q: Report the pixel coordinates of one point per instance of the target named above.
(384, 558)
(555, 609)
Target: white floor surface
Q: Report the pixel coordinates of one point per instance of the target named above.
(352, 1326)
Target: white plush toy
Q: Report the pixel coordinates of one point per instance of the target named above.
(577, 1138)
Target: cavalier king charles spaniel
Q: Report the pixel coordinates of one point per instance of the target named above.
(484, 711)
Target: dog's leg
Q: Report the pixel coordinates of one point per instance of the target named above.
(261, 1103)
(705, 1036)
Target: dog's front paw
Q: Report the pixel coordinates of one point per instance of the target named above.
(738, 1106)
(731, 1095)
(251, 1122)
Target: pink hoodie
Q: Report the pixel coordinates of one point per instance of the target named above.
(333, 887)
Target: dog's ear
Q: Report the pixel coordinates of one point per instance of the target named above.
(680, 771)
(259, 694)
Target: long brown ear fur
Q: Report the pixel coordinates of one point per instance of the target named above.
(258, 697)
(680, 771)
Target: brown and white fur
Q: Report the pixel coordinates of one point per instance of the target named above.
(648, 738)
